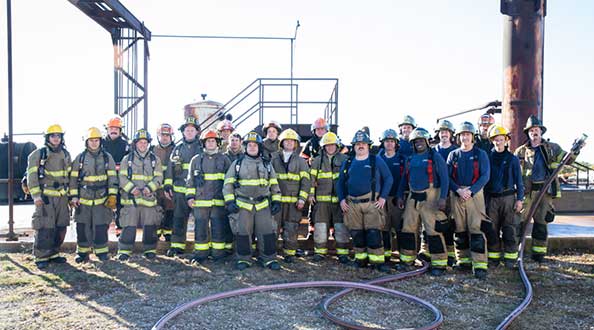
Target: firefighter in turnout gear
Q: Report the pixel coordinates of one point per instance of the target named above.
(363, 186)
(313, 147)
(326, 212)
(468, 168)
(406, 126)
(141, 175)
(445, 134)
(270, 144)
(117, 146)
(225, 129)
(294, 182)
(504, 194)
(175, 183)
(163, 150)
(235, 147)
(538, 159)
(395, 161)
(205, 195)
(426, 177)
(47, 178)
(251, 190)
(93, 190)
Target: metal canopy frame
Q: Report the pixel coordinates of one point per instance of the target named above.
(130, 74)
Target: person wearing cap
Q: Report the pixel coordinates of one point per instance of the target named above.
(482, 138)
(47, 178)
(271, 131)
(141, 175)
(175, 183)
(163, 150)
(406, 126)
(252, 197)
(204, 194)
(312, 147)
(445, 135)
(294, 182)
(326, 212)
(504, 194)
(363, 187)
(469, 170)
(117, 145)
(92, 190)
(426, 177)
(395, 161)
(538, 159)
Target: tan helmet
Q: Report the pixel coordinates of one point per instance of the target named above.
(408, 120)
(533, 121)
(225, 125)
(271, 123)
(93, 133)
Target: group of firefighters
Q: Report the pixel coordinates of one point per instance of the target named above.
(453, 197)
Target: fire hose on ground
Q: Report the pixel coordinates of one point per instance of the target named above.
(373, 284)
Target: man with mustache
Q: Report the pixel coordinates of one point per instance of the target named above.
(539, 158)
(117, 146)
(363, 186)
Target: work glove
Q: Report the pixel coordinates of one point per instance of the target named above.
(168, 189)
(232, 207)
(275, 207)
(111, 202)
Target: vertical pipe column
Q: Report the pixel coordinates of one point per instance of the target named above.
(523, 51)
(11, 235)
(145, 55)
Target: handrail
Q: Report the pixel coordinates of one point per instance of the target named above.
(584, 168)
(236, 103)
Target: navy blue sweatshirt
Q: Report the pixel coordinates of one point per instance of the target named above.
(501, 162)
(465, 171)
(539, 168)
(445, 152)
(359, 178)
(418, 178)
(406, 148)
(396, 166)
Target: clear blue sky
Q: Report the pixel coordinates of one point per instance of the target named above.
(425, 58)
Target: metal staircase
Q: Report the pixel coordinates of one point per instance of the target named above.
(294, 103)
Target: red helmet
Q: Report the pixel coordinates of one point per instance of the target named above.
(115, 122)
(225, 125)
(486, 119)
(319, 123)
(165, 129)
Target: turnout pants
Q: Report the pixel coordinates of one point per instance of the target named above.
(288, 219)
(131, 218)
(49, 222)
(328, 215)
(365, 222)
(181, 212)
(92, 223)
(545, 213)
(505, 224)
(260, 224)
(422, 208)
(212, 218)
(393, 226)
(471, 220)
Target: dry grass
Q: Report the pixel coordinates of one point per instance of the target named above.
(136, 294)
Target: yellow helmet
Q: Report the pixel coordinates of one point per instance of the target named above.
(329, 138)
(495, 130)
(54, 129)
(289, 134)
(93, 133)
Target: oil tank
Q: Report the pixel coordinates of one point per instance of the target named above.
(208, 113)
(21, 152)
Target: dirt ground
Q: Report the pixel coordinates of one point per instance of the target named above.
(134, 295)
